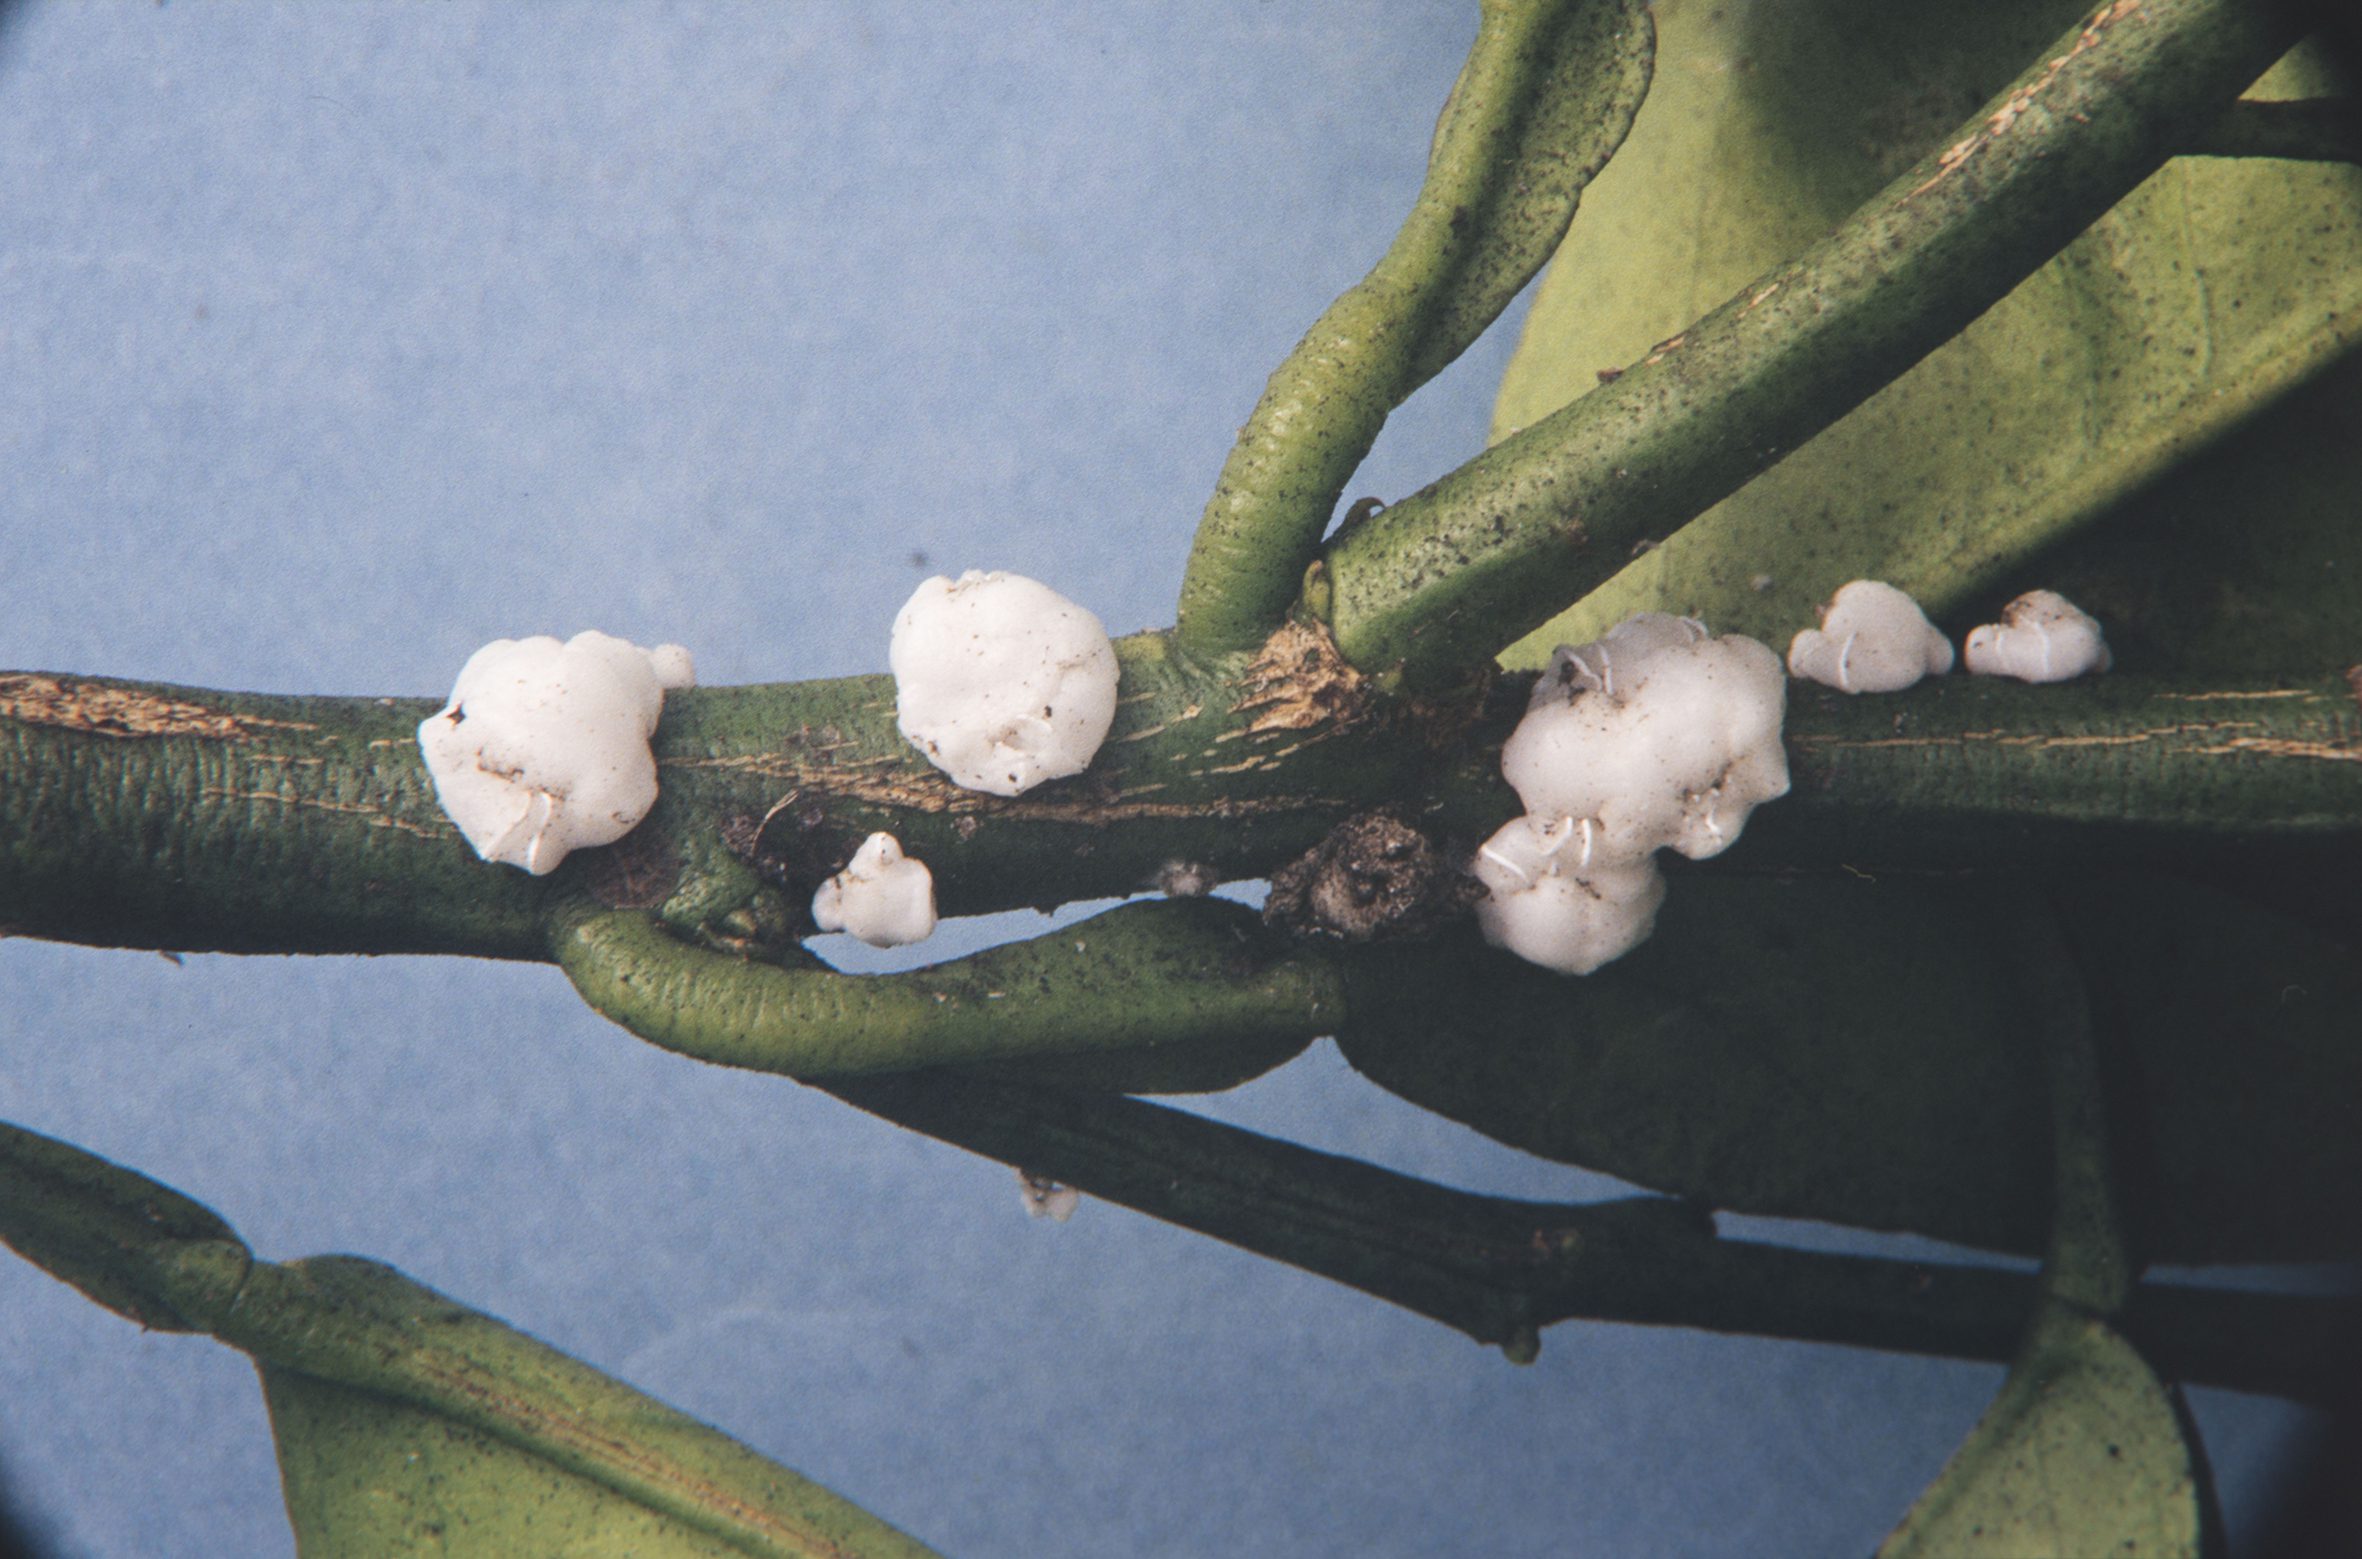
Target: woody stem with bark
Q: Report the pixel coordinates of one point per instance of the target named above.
(136, 815)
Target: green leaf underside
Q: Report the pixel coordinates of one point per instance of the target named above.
(1863, 1053)
(366, 1476)
(414, 1385)
(2081, 1456)
(2214, 288)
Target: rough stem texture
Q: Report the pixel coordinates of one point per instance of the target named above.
(136, 815)
(1434, 586)
(1141, 978)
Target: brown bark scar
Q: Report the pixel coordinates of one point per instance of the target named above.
(1998, 123)
(2004, 738)
(376, 817)
(2288, 747)
(1298, 681)
(904, 791)
(111, 709)
(1160, 728)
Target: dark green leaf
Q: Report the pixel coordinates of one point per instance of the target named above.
(2247, 558)
(1840, 1050)
(2080, 1457)
(1866, 1053)
(2240, 1036)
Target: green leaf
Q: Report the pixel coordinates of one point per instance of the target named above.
(2084, 1451)
(402, 1390)
(1843, 1050)
(2081, 1456)
(1866, 1053)
(2213, 289)
(365, 1475)
(2240, 1032)
(2247, 560)
(408, 1423)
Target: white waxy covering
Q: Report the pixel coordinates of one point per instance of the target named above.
(1658, 733)
(2042, 637)
(1873, 639)
(1655, 735)
(1549, 903)
(543, 747)
(1001, 681)
(884, 897)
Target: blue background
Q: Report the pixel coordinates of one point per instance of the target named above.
(337, 340)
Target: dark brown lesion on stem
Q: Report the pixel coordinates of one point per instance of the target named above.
(1374, 878)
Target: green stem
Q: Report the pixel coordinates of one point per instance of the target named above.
(1549, 89)
(1499, 1270)
(1434, 586)
(2325, 129)
(1975, 773)
(1140, 978)
(143, 815)
(247, 823)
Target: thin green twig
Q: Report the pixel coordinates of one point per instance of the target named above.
(1142, 978)
(1549, 89)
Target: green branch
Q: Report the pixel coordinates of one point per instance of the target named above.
(1981, 773)
(1548, 92)
(1499, 1270)
(1141, 978)
(1434, 586)
(190, 819)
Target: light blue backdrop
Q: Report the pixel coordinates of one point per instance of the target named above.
(336, 340)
